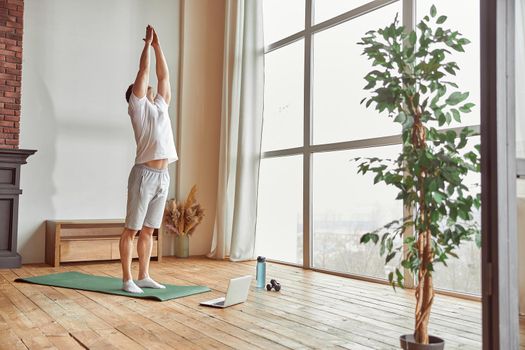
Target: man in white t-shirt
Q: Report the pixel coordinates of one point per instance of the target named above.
(149, 179)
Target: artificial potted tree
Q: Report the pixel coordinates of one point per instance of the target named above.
(411, 83)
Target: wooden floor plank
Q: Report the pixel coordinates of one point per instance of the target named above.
(306, 333)
(35, 331)
(9, 340)
(201, 270)
(134, 330)
(22, 327)
(286, 332)
(342, 318)
(56, 306)
(464, 310)
(209, 326)
(313, 311)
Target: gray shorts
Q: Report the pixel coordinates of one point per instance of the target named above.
(147, 194)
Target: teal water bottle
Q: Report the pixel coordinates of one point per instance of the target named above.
(261, 271)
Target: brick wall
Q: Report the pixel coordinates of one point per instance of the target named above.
(11, 24)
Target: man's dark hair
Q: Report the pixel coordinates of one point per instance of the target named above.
(128, 92)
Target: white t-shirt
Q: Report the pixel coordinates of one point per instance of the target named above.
(152, 128)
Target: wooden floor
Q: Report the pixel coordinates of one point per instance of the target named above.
(313, 310)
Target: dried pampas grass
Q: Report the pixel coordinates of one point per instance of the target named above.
(181, 218)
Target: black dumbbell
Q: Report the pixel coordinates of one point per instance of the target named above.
(273, 284)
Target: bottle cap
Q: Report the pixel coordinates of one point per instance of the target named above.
(261, 259)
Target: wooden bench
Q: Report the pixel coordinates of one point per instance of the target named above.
(89, 240)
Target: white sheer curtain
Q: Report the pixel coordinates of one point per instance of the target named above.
(241, 132)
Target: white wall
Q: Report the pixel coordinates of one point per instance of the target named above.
(200, 110)
(79, 58)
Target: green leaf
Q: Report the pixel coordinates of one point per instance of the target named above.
(382, 248)
(437, 197)
(370, 84)
(456, 97)
(441, 19)
(442, 119)
(412, 38)
(456, 115)
(406, 264)
(378, 178)
(463, 214)
(458, 48)
(448, 117)
(450, 70)
(390, 257)
(462, 143)
(401, 118)
(367, 237)
(399, 278)
(433, 11)
(467, 107)
(409, 240)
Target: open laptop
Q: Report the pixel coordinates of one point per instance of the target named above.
(237, 293)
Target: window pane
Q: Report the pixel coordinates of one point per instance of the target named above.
(463, 274)
(282, 18)
(338, 81)
(279, 226)
(326, 9)
(345, 206)
(283, 97)
(468, 77)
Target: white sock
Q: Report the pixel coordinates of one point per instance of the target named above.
(149, 283)
(131, 287)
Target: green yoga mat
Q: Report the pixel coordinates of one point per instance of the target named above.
(111, 285)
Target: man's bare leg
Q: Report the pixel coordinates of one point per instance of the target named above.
(126, 250)
(144, 246)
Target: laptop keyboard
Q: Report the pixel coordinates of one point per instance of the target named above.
(219, 303)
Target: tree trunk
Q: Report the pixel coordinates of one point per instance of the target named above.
(424, 290)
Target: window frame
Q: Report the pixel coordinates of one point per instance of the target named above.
(308, 148)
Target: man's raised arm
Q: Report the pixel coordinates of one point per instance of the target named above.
(140, 87)
(163, 75)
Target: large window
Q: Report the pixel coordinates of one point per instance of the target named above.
(280, 209)
(337, 81)
(345, 206)
(283, 97)
(313, 206)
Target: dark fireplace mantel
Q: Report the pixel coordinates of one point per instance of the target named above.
(11, 161)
